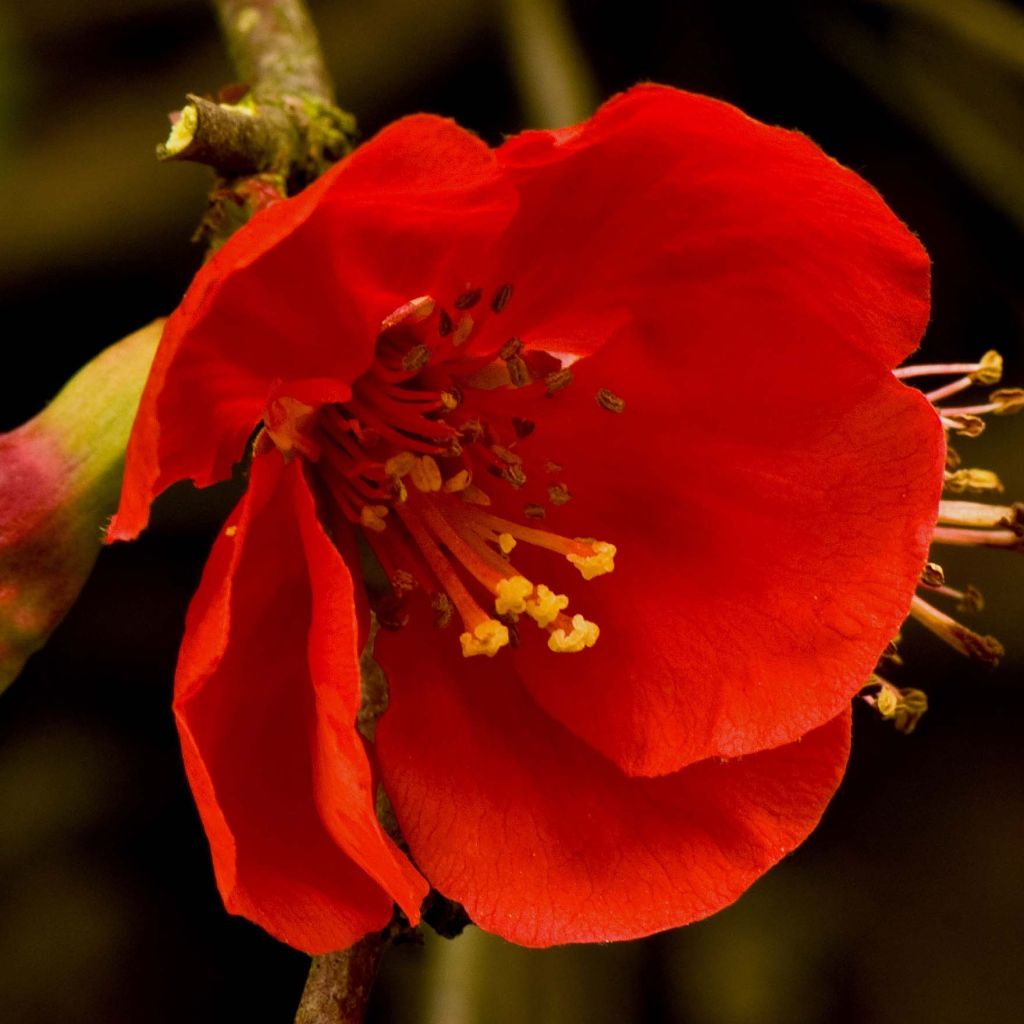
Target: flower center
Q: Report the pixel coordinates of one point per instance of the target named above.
(414, 457)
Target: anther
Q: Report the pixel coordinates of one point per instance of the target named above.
(545, 605)
(533, 511)
(932, 575)
(445, 324)
(416, 358)
(372, 517)
(511, 595)
(443, 610)
(610, 401)
(501, 298)
(903, 707)
(487, 638)
(558, 494)
(990, 369)
(985, 648)
(583, 634)
(973, 481)
(400, 465)
(965, 424)
(523, 428)
(426, 475)
(1007, 401)
(469, 298)
(412, 312)
(511, 348)
(600, 562)
(518, 372)
(506, 542)
(462, 330)
(457, 483)
(557, 380)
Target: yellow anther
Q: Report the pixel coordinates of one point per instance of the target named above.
(584, 634)
(462, 329)
(545, 605)
(597, 564)
(457, 483)
(426, 474)
(372, 517)
(512, 594)
(231, 531)
(990, 369)
(962, 481)
(506, 542)
(488, 638)
(449, 401)
(475, 496)
(400, 465)
(416, 309)
(1007, 401)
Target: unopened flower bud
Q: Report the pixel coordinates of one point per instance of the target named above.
(60, 477)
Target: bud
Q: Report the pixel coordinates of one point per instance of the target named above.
(60, 477)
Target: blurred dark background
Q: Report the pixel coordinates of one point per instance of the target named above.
(906, 904)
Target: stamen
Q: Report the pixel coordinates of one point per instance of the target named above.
(966, 425)
(973, 481)
(468, 298)
(985, 648)
(1004, 402)
(966, 537)
(987, 370)
(903, 707)
(973, 513)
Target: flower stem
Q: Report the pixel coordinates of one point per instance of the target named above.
(338, 987)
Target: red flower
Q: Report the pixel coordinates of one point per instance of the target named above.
(671, 328)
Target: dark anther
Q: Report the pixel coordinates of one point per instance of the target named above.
(511, 348)
(501, 297)
(558, 494)
(523, 428)
(532, 511)
(558, 380)
(469, 299)
(610, 401)
(443, 610)
(514, 475)
(416, 358)
(510, 458)
(518, 372)
(445, 324)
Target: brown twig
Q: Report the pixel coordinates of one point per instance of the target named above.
(282, 125)
(338, 987)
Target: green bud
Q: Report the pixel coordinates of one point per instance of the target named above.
(60, 479)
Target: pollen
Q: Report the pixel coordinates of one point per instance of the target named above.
(600, 562)
(584, 634)
(545, 606)
(487, 638)
(512, 594)
(426, 475)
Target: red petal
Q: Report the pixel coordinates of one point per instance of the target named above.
(293, 295)
(266, 697)
(768, 545)
(665, 201)
(545, 842)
